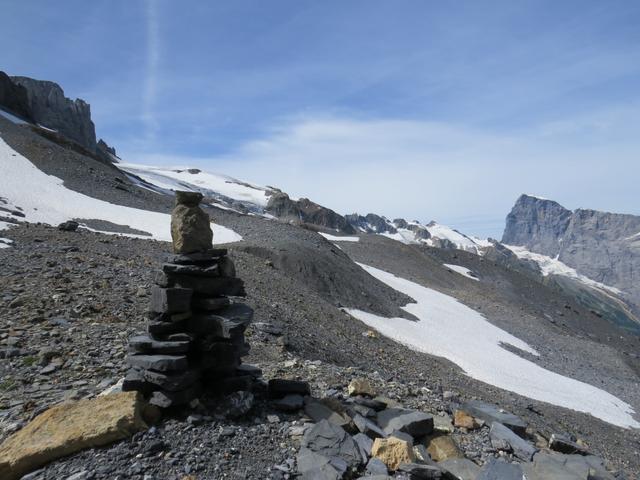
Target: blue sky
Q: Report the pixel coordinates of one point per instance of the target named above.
(420, 109)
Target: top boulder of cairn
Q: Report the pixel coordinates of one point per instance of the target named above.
(190, 225)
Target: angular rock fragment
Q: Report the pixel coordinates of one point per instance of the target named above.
(503, 438)
(332, 441)
(145, 344)
(190, 225)
(392, 452)
(490, 413)
(415, 423)
(160, 363)
(170, 300)
(443, 447)
(289, 403)
(460, 468)
(279, 387)
(360, 386)
(500, 470)
(418, 471)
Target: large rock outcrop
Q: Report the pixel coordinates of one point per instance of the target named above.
(304, 211)
(13, 97)
(603, 246)
(49, 107)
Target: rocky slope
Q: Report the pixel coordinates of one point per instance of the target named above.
(69, 301)
(603, 246)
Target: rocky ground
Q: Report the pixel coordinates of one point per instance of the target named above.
(70, 300)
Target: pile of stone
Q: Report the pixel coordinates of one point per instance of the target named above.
(195, 336)
(369, 436)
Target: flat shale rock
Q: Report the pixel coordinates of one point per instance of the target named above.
(68, 428)
(500, 470)
(413, 422)
(460, 468)
(331, 440)
(145, 344)
(160, 363)
(490, 413)
(230, 321)
(211, 287)
(503, 438)
(170, 300)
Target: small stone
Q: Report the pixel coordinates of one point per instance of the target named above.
(68, 226)
(273, 419)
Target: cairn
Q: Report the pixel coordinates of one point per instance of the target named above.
(195, 340)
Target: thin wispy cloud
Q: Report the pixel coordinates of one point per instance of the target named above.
(150, 89)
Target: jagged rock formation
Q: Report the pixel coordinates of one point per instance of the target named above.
(603, 246)
(304, 211)
(48, 106)
(14, 97)
(371, 223)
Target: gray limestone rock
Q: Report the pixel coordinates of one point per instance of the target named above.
(160, 363)
(460, 468)
(364, 444)
(49, 107)
(414, 423)
(417, 471)
(490, 413)
(170, 300)
(331, 440)
(503, 438)
(375, 466)
(500, 470)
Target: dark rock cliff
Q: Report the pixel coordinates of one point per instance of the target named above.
(13, 97)
(48, 106)
(603, 246)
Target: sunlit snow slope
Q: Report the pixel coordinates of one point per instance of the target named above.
(197, 180)
(442, 318)
(44, 198)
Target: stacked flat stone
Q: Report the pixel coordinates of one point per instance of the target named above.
(195, 340)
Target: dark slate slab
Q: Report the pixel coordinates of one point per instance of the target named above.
(460, 468)
(165, 399)
(490, 413)
(170, 300)
(161, 363)
(413, 422)
(145, 344)
(500, 470)
(172, 382)
(418, 471)
(331, 440)
(199, 271)
(289, 403)
(279, 387)
(227, 323)
(211, 287)
(209, 304)
(503, 438)
(369, 428)
(209, 256)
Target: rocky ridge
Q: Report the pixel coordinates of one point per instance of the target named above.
(603, 246)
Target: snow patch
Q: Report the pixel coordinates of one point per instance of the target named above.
(449, 329)
(5, 242)
(553, 266)
(44, 198)
(334, 238)
(181, 179)
(462, 271)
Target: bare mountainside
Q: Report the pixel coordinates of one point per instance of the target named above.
(603, 246)
(432, 319)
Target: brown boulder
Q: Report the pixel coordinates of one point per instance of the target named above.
(190, 225)
(68, 428)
